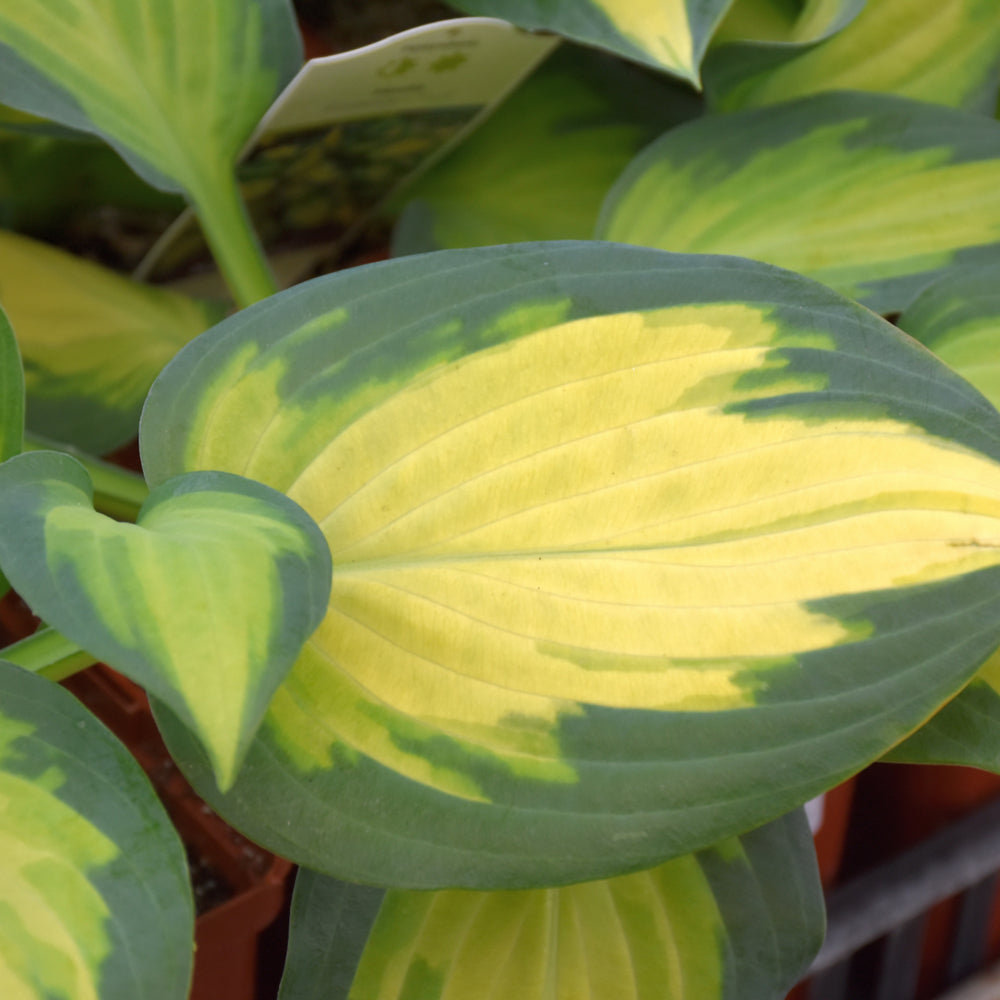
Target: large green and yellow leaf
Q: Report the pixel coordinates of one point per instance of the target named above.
(943, 51)
(633, 551)
(205, 601)
(667, 34)
(541, 166)
(874, 195)
(739, 920)
(92, 341)
(95, 902)
(959, 319)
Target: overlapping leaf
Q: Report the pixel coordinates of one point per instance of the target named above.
(11, 392)
(944, 52)
(205, 601)
(669, 34)
(959, 319)
(633, 551)
(96, 903)
(175, 85)
(868, 193)
(738, 921)
(541, 166)
(92, 341)
(11, 402)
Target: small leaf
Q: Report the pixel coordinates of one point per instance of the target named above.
(542, 164)
(92, 341)
(737, 921)
(945, 53)
(205, 601)
(634, 551)
(667, 34)
(865, 192)
(176, 86)
(96, 897)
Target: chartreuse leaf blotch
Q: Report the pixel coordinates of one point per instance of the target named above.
(633, 550)
(96, 902)
(205, 601)
(92, 341)
(667, 34)
(864, 192)
(738, 921)
(945, 53)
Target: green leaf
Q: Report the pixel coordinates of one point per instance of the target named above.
(176, 86)
(667, 34)
(92, 341)
(11, 403)
(541, 166)
(634, 551)
(11, 392)
(867, 193)
(205, 601)
(739, 920)
(96, 897)
(945, 53)
(959, 319)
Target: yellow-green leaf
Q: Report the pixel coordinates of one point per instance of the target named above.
(541, 166)
(92, 341)
(633, 551)
(95, 900)
(667, 34)
(737, 921)
(205, 601)
(943, 51)
(868, 193)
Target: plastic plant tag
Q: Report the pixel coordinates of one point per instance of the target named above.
(351, 128)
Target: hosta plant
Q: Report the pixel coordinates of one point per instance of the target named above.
(520, 594)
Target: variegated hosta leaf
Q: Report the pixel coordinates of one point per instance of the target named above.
(668, 34)
(541, 166)
(205, 601)
(739, 921)
(633, 551)
(867, 193)
(943, 51)
(959, 319)
(95, 902)
(92, 341)
(175, 85)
